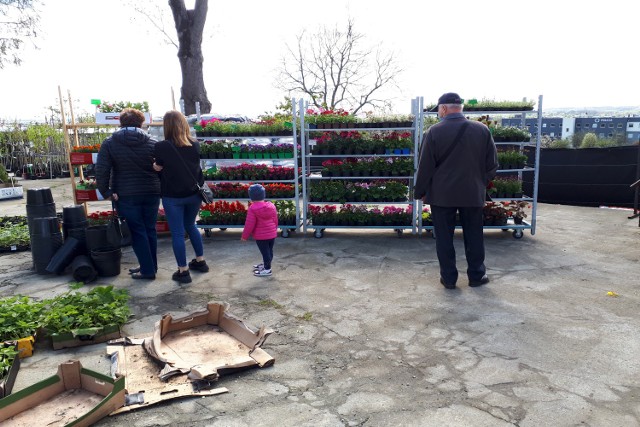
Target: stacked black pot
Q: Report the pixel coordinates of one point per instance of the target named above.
(46, 239)
(39, 205)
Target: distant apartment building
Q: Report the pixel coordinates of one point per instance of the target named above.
(603, 127)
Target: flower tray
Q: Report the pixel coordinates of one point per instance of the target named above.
(88, 195)
(114, 118)
(74, 396)
(88, 336)
(83, 158)
(6, 383)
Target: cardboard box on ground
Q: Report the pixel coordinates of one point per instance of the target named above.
(196, 350)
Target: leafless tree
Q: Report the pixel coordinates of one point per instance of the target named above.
(189, 26)
(18, 22)
(335, 69)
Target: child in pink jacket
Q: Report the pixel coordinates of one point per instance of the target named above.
(262, 223)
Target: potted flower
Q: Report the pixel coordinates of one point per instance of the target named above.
(109, 112)
(162, 225)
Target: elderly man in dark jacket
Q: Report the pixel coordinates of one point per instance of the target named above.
(458, 159)
(124, 172)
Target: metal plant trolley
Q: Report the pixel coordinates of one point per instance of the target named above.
(518, 229)
(285, 230)
(311, 172)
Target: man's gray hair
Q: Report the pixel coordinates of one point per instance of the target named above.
(455, 106)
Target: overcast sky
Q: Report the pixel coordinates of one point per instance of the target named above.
(576, 54)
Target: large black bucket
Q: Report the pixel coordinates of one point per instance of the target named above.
(39, 205)
(83, 270)
(64, 256)
(96, 237)
(39, 211)
(73, 217)
(46, 239)
(80, 235)
(107, 261)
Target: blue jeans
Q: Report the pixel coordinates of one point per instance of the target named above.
(141, 213)
(266, 249)
(444, 222)
(181, 214)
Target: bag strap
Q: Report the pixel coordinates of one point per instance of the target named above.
(454, 143)
(184, 163)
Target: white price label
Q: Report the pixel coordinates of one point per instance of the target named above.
(14, 248)
(312, 142)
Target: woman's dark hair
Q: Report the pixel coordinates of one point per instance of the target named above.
(176, 129)
(130, 117)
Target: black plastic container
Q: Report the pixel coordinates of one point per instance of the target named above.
(46, 239)
(64, 256)
(107, 261)
(73, 217)
(39, 196)
(96, 237)
(82, 269)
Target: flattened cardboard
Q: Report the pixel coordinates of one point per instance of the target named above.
(75, 396)
(207, 344)
(70, 340)
(6, 383)
(143, 386)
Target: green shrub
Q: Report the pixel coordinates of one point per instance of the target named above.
(560, 143)
(606, 142)
(590, 140)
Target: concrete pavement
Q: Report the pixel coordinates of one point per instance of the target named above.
(366, 335)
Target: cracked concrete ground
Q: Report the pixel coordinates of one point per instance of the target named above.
(366, 336)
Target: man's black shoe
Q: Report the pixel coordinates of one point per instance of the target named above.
(483, 281)
(140, 276)
(446, 285)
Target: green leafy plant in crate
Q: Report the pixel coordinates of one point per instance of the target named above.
(86, 313)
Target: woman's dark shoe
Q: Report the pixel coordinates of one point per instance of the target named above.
(141, 276)
(134, 270)
(200, 266)
(182, 276)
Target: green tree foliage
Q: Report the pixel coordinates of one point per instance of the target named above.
(590, 140)
(18, 23)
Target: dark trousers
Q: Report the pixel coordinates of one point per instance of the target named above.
(266, 249)
(444, 222)
(141, 213)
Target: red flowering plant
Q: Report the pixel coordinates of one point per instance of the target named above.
(99, 218)
(86, 148)
(223, 213)
(397, 216)
(398, 140)
(226, 190)
(322, 215)
(332, 167)
(323, 116)
(279, 191)
(161, 215)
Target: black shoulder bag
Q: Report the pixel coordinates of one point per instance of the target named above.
(118, 233)
(203, 190)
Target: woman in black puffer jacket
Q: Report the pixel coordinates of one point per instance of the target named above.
(124, 172)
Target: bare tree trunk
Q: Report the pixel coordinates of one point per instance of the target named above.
(189, 26)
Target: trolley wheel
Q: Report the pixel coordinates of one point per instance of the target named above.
(398, 232)
(223, 229)
(517, 234)
(207, 232)
(505, 229)
(318, 233)
(284, 232)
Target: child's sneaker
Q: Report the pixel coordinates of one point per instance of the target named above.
(200, 266)
(258, 266)
(262, 273)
